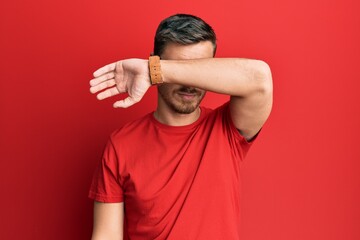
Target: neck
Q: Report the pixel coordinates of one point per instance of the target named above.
(172, 118)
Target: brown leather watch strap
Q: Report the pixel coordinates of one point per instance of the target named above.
(155, 70)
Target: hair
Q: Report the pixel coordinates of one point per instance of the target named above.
(182, 29)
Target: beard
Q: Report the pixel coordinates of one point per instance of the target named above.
(175, 100)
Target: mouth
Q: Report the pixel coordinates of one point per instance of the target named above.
(187, 96)
(188, 93)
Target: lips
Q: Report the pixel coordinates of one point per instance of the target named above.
(187, 96)
(187, 93)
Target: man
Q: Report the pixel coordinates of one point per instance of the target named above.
(174, 173)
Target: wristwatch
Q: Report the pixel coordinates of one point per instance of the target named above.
(155, 70)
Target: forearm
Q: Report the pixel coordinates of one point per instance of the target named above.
(231, 76)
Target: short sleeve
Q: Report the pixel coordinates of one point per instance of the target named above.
(238, 143)
(106, 184)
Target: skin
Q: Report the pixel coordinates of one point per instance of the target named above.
(178, 104)
(188, 72)
(108, 221)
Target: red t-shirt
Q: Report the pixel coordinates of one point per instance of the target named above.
(176, 182)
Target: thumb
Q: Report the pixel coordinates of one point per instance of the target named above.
(125, 103)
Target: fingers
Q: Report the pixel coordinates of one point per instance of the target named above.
(127, 102)
(102, 78)
(108, 68)
(104, 83)
(108, 93)
(102, 86)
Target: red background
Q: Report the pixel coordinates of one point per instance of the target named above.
(301, 179)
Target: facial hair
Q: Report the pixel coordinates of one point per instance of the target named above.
(178, 104)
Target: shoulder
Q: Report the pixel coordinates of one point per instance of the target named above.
(133, 128)
(219, 112)
(220, 118)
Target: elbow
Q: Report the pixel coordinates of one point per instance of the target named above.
(263, 78)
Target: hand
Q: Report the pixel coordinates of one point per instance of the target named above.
(129, 76)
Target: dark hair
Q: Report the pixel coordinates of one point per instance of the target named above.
(183, 29)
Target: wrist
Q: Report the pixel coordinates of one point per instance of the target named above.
(155, 70)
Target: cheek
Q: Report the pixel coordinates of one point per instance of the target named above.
(163, 89)
(167, 88)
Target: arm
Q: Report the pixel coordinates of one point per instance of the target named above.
(108, 221)
(247, 81)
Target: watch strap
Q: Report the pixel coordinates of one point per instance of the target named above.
(155, 70)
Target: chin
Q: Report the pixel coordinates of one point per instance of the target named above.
(176, 103)
(184, 108)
